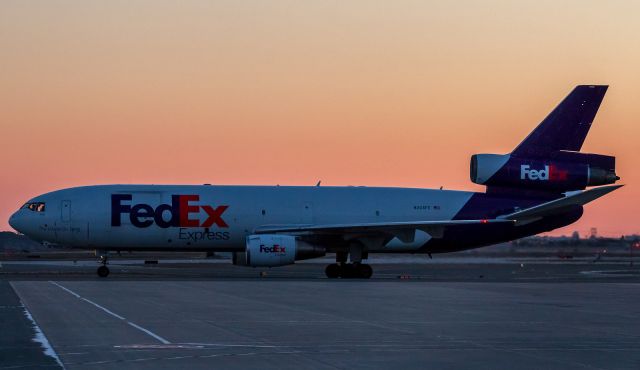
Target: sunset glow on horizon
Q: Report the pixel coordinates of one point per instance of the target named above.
(292, 92)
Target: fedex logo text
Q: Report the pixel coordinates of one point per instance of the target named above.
(551, 173)
(180, 210)
(274, 249)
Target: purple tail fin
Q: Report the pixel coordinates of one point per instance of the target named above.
(566, 127)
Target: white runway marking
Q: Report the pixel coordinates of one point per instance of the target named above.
(103, 309)
(41, 338)
(159, 338)
(65, 289)
(146, 331)
(611, 273)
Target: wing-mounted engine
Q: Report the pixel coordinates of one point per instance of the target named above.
(558, 171)
(271, 250)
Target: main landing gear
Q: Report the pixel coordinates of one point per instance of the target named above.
(354, 270)
(349, 271)
(103, 270)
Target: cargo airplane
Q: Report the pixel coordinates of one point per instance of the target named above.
(539, 186)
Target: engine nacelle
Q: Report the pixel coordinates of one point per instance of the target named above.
(275, 250)
(562, 171)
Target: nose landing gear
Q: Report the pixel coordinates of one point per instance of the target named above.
(103, 270)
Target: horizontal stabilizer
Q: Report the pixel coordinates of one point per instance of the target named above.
(553, 207)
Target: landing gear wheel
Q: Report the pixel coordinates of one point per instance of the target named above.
(347, 271)
(332, 271)
(365, 271)
(352, 271)
(103, 271)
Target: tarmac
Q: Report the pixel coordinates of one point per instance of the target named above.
(440, 313)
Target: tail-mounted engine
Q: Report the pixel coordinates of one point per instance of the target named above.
(275, 250)
(559, 171)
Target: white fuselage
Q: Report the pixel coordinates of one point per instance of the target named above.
(205, 217)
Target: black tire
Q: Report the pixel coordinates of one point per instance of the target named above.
(347, 271)
(103, 271)
(365, 271)
(332, 271)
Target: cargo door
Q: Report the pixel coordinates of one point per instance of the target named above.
(73, 231)
(66, 210)
(307, 213)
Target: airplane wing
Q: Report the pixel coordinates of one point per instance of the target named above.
(577, 198)
(406, 230)
(434, 228)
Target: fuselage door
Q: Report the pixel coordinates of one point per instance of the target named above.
(66, 210)
(307, 213)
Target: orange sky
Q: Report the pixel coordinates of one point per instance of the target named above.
(390, 93)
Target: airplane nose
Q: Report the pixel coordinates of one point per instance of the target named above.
(14, 222)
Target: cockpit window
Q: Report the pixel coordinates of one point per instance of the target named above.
(34, 206)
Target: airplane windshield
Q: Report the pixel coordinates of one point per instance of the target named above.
(34, 206)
